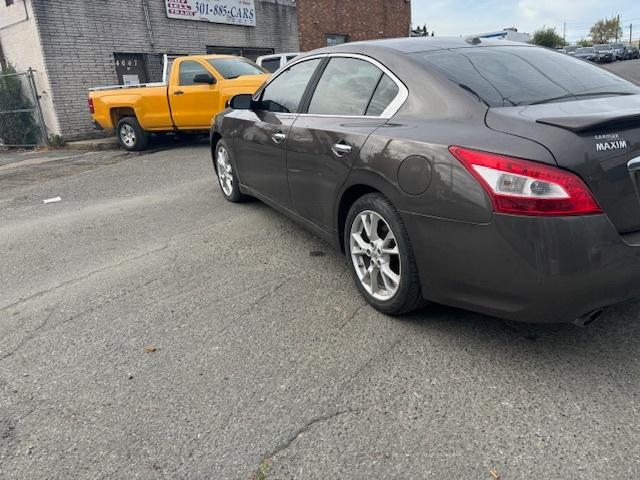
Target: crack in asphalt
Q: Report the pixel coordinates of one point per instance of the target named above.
(290, 440)
(82, 277)
(38, 330)
(269, 293)
(352, 316)
(32, 334)
(375, 358)
(267, 459)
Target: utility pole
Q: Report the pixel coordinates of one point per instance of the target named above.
(617, 27)
(564, 32)
(630, 32)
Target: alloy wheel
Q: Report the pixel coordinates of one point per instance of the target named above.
(128, 135)
(375, 255)
(225, 173)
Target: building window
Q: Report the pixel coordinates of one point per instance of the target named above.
(9, 2)
(336, 39)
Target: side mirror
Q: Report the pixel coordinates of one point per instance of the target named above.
(204, 78)
(243, 101)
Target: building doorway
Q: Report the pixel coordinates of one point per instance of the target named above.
(130, 68)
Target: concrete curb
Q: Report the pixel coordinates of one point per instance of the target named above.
(98, 144)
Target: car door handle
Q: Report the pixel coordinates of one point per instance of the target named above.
(278, 137)
(341, 149)
(179, 92)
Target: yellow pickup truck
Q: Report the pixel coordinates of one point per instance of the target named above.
(198, 88)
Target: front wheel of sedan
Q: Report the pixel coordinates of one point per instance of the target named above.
(380, 256)
(226, 175)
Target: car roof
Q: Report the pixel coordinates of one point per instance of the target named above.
(420, 44)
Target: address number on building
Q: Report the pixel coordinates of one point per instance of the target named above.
(234, 12)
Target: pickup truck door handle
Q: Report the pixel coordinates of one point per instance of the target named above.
(340, 149)
(179, 92)
(278, 137)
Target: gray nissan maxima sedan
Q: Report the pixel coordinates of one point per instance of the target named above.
(496, 177)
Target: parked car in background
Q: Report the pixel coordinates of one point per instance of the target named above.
(586, 53)
(604, 53)
(274, 62)
(198, 88)
(443, 179)
(570, 49)
(619, 50)
(633, 53)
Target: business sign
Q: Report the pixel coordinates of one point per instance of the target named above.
(234, 12)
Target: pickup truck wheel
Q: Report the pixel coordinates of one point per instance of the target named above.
(131, 135)
(226, 175)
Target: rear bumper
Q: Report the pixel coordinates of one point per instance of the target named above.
(532, 269)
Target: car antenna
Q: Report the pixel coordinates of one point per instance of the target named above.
(473, 40)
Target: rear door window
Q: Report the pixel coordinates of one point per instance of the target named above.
(284, 93)
(385, 93)
(509, 76)
(345, 88)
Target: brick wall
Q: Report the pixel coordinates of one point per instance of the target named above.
(358, 19)
(79, 39)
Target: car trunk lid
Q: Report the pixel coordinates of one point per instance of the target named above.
(597, 139)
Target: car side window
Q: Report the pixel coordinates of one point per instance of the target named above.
(271, 64)
(345, 88)
(285, 92)
(188, 70)
(386, 92)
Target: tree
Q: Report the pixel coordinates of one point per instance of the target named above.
(547, 37)
(606, 29)
(17, 127)
(583, 42)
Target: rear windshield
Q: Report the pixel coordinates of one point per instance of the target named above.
(602, 48)
(236, 67)
(585, 50)
(510, 76)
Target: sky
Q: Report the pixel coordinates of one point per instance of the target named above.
(465, 17)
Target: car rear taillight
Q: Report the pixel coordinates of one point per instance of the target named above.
(524, 187)
(91, 109)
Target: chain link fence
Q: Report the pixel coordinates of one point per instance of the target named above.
(21, 122)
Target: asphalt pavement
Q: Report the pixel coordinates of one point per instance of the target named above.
(629, 69)
(150, 329)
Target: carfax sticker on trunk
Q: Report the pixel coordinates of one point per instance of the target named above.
(610, 141)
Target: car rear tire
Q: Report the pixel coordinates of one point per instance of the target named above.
(227, 179)
(131, 135)
(380, 256)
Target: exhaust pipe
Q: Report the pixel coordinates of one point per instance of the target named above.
(590, 317)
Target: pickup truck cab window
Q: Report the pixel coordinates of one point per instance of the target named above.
(284, 94)
(188, 70)
(236, 67)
